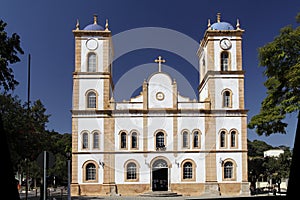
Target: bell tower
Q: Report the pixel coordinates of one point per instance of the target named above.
(91, 110)
(222, 84)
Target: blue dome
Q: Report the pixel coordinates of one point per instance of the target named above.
(93, 27)
(221, 26)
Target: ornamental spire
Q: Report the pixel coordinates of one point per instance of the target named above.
(77, 25)
(95, 19)
(106, 25)
(238, 24)
(218, 17)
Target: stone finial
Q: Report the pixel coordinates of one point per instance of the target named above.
(218, 17)
(238, 24)
(106, 25)
(208, 23)
(95, 19)
(77, 25)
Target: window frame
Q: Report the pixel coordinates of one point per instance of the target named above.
(199, 139)
(185, 139)
(132, 133)
(94, 133)
(225, 170)
(221, 139)
(236, 138)
(86, 171)
(84, 140)
(88, 99)
(163, 147)
(226, 99)
(224, 67)
(137, 169)
(193, 171)
(94, 64)
(121, 133)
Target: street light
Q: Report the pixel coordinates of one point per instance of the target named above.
(69, 175)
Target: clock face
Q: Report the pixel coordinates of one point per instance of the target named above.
(225, 44)
(160, 96)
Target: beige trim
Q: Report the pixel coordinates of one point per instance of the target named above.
(84, 172)
(239, 56)
(175, 134)
(75, 94)
(145, 134)
(77, 54)
(210, 145)
(160, 158)
(241, 93)
(109, 146)
(74, 149)
(244, 147)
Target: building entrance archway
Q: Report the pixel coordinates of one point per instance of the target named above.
(160, 176)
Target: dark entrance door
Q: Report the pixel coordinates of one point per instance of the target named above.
(160, 176)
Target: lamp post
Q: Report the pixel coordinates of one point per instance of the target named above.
(69, 174)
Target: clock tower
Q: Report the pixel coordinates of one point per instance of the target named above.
(222, 85)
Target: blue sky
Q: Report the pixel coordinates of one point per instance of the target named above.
(45, 28)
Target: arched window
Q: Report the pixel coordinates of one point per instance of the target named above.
(222, 139)
(134, 140)
(85, 140)
(187, 170)
(96, 140)
(228, 170)
(131, 171)
(224, 61)
(90, 172)
(160, 140)
(123, 140)
(227, 99)
(233, 139)
(91, 100)
(185, 139)
(196, 139)
(91, 62)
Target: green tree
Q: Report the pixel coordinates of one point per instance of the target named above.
(9, 50)
(281, 59)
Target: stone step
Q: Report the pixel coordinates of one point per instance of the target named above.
(160, 194)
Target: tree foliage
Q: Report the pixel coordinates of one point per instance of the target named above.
(281, 59)
(9, 50)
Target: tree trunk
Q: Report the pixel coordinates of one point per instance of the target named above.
(10, 184)
(293, 188)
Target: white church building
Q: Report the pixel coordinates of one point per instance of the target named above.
(160, 141)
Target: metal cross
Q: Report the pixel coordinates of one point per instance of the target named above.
(159, 61)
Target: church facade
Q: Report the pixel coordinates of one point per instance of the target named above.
(160, 140)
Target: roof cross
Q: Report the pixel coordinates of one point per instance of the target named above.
(159, 61)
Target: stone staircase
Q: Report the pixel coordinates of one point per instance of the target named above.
(160, 194)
